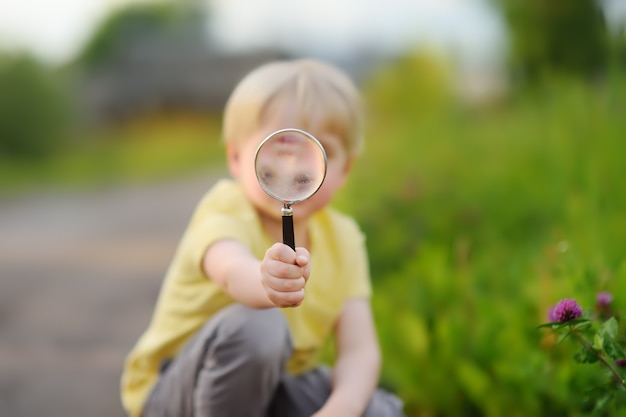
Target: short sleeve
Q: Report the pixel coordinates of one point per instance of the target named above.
(212, 228)
(356, 263)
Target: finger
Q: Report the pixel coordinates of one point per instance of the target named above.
(285, 299)
(302, 257)
(282, 270)
(282, 252)
(286, 285)
(306, 272)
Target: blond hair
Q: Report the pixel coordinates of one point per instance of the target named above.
(320, 94)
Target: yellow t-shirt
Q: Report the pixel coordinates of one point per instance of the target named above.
(339, 271)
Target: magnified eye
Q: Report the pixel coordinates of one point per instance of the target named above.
(302, 179)
(267, 177)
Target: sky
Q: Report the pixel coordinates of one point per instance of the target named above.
(56, 30)
(52, 30)
(343, 26)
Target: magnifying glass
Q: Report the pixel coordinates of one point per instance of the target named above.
(290, 166)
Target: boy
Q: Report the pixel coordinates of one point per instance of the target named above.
(217, 345)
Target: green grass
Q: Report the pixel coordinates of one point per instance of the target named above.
(146, 149)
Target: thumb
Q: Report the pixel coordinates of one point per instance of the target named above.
(302, 257)
(303, 260)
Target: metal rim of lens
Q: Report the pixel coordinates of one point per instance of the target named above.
(309, 136)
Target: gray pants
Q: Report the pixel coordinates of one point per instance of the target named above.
(234, 367)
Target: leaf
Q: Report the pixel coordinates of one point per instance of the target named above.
(578, 321)
(552, 325)
(598, 341)
(555, 325)
(563, 336)
(609, 329)
(614, 350)
(586, 355)
(583, 324)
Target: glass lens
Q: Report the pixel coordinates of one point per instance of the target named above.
(290, 165)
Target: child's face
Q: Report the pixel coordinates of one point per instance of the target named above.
(241, 163)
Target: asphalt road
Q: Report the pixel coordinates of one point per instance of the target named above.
(79, 275)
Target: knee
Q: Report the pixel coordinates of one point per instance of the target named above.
(263, 334)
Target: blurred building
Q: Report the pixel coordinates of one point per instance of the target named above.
(155, 75)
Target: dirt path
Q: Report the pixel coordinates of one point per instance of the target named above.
(79, 274)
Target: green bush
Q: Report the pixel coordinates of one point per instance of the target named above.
(34, 110)
(478, 222)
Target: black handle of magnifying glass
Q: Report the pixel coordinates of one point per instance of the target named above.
(288, 236)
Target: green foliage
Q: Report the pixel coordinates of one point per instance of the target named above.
(34, 110)
(556, 36)
(477, 222)
(598, 344)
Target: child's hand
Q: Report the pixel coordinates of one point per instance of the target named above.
(284, 274)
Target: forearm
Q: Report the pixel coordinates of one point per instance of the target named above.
(237, 273)
(241, 281)
(357, 369)
(355, 378)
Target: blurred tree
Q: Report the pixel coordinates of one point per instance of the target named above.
(34, 110)
(556, 36)
(418, 83)
(135, 23)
